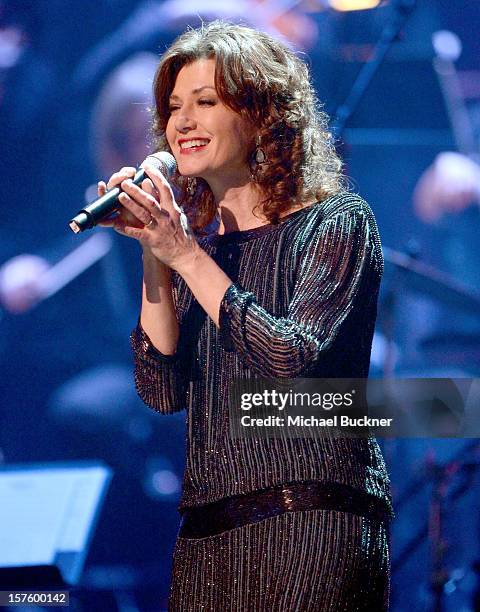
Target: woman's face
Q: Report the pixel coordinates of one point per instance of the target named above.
(208, 139)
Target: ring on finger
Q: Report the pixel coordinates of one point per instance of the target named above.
(151, 223)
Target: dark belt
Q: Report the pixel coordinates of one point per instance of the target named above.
(231, 512)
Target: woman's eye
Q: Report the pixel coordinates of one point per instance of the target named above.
(207, 102)
(171, 109)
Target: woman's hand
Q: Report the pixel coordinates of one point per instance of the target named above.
(150, 215)
(122, 215)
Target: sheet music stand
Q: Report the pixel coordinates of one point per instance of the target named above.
(48, 514)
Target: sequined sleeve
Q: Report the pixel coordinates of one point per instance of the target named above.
(158, 377)
(341, 263)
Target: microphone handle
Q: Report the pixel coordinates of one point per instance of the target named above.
(101, 208)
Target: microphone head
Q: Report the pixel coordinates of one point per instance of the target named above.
(163, 161)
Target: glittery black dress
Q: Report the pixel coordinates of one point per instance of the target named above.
(302, 304)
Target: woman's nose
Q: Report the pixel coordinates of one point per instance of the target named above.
(185, 123)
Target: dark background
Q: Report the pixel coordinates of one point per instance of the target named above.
(66, 368)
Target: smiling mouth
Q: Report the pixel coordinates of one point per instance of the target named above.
(197, 144)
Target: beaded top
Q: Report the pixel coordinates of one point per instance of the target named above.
(302, 303)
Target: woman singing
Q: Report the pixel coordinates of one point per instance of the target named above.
(285, 287)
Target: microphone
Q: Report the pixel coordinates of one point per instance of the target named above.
(96, 211)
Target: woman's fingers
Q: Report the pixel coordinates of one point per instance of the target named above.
(130, 214)
(150, 188)
(167, 200)
(139, 212)
(164, 190)
(139, 205)
(121, 175)
(121, 217)
(142, 204)
(101, 188)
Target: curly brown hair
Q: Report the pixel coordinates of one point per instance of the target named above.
(266, 83)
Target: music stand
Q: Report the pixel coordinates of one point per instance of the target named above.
(47, 519)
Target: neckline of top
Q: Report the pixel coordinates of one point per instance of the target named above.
(261, 230)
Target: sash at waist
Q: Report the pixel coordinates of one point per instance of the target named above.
(236, 511)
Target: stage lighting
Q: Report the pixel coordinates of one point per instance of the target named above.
(354, 5)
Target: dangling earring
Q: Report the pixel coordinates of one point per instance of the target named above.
(191, 186)
(260, 157)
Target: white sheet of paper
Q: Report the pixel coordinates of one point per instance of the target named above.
(45, 511)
